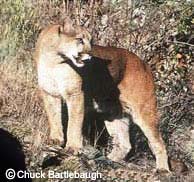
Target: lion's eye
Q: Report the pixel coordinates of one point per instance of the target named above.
(80, 40)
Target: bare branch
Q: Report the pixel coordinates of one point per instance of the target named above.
(178, 42)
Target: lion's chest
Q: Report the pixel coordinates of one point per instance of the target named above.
(46, 79)
(58, 80)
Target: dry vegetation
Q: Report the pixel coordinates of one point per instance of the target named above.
(160, 32)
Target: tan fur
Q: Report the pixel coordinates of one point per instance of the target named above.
(58, 81)
(137, 97)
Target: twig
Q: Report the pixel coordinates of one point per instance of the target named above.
(178, 42)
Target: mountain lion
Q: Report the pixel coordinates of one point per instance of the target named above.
(57, 80)
(137, 97)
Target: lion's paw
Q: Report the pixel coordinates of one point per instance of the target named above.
(56, 142)
(73, 150)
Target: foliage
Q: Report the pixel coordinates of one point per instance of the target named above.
(18, 26)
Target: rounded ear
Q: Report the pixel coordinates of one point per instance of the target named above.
(60, 29)
(79, 31)
(67, 27)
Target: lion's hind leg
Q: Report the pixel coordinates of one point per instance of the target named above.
(119, 131)
(146, 119)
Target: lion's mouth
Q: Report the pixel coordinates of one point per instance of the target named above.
(78, 59)
(82, 57)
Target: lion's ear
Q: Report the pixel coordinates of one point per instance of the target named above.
(60, 30)
(67, 27)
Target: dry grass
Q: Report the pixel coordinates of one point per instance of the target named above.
(22, 112)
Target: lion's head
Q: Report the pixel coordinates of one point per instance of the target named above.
(74, 42)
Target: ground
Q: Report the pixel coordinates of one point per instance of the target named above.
(40, 156)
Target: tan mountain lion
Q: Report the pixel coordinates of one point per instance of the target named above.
(137, 97)
(58, 81)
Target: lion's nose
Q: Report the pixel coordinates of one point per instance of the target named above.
(88, 48)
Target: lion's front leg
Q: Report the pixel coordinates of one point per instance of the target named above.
(75, 105)
(53, 107)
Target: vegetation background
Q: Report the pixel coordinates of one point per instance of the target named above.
(161, 32)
